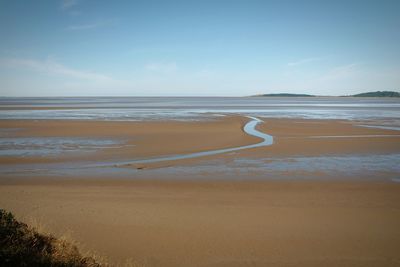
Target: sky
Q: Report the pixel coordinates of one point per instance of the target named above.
(198, 48)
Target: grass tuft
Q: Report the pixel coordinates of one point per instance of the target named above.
(21, 245)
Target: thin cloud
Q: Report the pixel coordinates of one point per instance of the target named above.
(53, 68)
(304, 61)
(68, 4)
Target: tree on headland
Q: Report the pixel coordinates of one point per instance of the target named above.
(379, 94)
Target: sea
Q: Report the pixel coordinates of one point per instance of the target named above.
(387, 110)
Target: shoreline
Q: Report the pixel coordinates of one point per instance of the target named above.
(147, 140)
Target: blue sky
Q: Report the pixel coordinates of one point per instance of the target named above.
(198, 48)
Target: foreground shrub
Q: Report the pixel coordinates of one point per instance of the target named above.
(21, 245)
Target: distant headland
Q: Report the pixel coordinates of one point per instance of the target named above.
(367, 94)
(379, 94)
(285, 95)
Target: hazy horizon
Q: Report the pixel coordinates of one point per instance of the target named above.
(173, 96)
(89, 48)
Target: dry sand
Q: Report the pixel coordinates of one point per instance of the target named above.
(270, 223)
(216, 223)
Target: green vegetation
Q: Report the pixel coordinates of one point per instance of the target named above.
(367, 94)
(379, 94)
(286, 95)
(21, 245)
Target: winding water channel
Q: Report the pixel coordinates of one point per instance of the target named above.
(249, 128)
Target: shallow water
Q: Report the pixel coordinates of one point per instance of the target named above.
(249, 128)
(381, 167)
(394, 128)
(47, 146)
(193, 108)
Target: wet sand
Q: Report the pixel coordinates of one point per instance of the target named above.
(215, 222)
(143, 139)
(154, 139)
(302, 137)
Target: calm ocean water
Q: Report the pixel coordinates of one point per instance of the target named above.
(192, 108)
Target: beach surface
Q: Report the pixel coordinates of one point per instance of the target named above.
(192, 223)
(142, 140)
(154, 217)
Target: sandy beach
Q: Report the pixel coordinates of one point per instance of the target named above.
(271, 223)
(150, 221)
